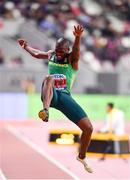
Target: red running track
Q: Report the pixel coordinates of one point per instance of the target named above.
(20, 161)
(26, 154)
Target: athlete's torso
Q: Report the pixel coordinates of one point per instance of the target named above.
(62, 69)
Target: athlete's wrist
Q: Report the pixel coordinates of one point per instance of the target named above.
(25, 46)
(78, 37)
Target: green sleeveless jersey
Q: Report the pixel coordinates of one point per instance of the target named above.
(62, 67)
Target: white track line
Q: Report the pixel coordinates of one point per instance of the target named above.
(39, 150)
(2, 176)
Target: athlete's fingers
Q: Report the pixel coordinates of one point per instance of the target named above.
(74, 28)
(81, 28)
(22, 42)
(78, 28)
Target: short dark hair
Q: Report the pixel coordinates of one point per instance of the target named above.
(63, 42)
(110, 104)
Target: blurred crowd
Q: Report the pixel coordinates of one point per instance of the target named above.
(106, 39)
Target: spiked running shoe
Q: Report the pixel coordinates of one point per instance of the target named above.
(86, 166)
(44, 115)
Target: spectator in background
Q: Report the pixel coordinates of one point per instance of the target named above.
(114, 121)
(114, 125)
(106, 24)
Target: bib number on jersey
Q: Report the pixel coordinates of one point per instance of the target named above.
(60, 81)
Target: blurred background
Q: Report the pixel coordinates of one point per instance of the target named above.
(104, 73)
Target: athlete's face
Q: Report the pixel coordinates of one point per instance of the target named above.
(61, 51)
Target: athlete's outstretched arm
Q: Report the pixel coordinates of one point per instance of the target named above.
(34, 52)
(75, 54)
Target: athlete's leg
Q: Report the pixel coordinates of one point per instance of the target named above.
(76, 114)
(47, 95)
(85, 125)
(47, 91)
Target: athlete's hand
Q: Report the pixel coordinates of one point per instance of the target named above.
(22, 43)
(78, 30)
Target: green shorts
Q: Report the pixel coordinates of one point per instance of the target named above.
(64, 102)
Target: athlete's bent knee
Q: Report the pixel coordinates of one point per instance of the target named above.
(88, 128)
(49, 80)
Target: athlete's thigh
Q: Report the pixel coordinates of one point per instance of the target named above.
(42, 91)
(68, 106)
(54, 100)
(47, 85)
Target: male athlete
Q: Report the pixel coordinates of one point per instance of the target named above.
(63, 65)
